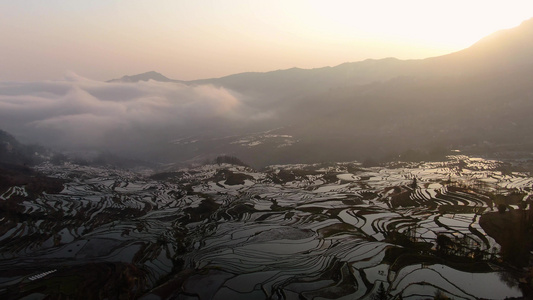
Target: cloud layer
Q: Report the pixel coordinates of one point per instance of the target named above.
(78, 113)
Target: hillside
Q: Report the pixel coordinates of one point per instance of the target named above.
(15, 153)
(477, 99)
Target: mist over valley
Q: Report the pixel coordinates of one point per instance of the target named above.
(475, 98)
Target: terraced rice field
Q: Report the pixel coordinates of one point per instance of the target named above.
(334, 231)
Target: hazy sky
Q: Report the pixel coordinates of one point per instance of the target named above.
(105, 39)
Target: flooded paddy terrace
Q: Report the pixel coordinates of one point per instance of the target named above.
(335, 231)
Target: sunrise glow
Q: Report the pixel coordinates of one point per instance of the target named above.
(201, 39)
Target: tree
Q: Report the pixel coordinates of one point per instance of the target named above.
(444, 244)
(381, 294)
(414, 184)
(501, 208)
(226, 159)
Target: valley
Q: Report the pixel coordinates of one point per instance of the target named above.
(297, 150)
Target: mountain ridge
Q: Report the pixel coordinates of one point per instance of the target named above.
(372, 70)
(477, 98)
(150, 75)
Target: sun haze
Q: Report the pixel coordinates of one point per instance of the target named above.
(201, 39)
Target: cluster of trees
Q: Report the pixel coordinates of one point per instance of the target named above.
(232, 160)
(462, 247)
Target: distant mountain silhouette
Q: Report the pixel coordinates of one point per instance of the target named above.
(505, 49)
(479, 98)
(152, 75)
